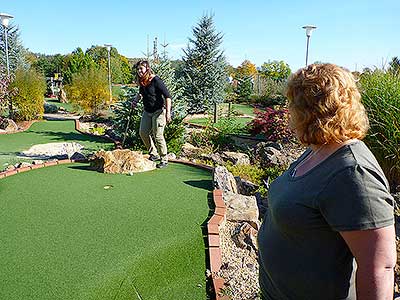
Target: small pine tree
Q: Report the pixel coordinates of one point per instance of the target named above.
(244, 89)
(204, 67)
(163, 68)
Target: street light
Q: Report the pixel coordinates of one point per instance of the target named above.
(5, 20)
(309, 29)
(108, 46)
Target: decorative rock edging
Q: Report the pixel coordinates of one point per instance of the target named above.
(29, 124)
(213, 225)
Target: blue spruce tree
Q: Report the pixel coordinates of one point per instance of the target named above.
(204, 68)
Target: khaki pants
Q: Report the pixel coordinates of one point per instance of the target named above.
(152, 127)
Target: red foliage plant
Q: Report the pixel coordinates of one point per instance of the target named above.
(273, 124)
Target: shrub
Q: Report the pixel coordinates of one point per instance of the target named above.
(256, 174)
(273, 124)
(381, 96)
(217, 136)
(271, 92)
(50, 108)
(28, 101)
(89, 90)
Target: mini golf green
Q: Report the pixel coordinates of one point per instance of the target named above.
(71, 233)
(46, 132)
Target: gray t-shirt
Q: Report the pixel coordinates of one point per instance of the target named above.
(302, 254)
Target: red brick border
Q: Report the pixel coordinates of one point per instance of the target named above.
(214, 243)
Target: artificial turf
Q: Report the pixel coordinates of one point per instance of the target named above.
(65, 236)
(46, 132)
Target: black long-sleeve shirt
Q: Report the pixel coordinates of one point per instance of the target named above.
(154, 95)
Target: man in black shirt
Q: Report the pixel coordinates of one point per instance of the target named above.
(156, 114)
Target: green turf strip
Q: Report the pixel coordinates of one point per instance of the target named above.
(63, 236)
(47, 132)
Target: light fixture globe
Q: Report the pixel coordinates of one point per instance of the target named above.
(309, 29)
(5, 19)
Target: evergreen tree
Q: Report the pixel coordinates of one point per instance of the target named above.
(163, 68)
(204, 67)
(16, 52)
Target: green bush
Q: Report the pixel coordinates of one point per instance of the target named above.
(28, 101)
(381, 96)
(89, 90)
(50, 108)
(256, 174)
(272, 92)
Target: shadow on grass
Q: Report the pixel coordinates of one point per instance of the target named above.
(83, 168)
(202, 184)
(211, 207)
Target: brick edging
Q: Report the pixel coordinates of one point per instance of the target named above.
(214, 243)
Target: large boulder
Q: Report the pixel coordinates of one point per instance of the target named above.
(224, 180)
(121, 161)
(236, 158)
(268, 155)
(241, 208)
(190, 151)
(8, 125)
(52, 150)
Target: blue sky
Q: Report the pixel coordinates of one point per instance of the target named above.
(351, 33)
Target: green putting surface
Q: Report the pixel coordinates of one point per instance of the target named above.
(46, 132)
(64, 236)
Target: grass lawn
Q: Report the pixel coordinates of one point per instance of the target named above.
(241, 109)
(46, 132)
(64, 236)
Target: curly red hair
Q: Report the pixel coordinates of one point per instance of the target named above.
(325, 105)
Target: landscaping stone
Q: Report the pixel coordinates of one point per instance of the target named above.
(8, 125)
(52, 150)
(214, 157)
(121, 162)
(241, 208)
(236, 158)
(37, 162)
(78, 156)
(188, 150)
(224, 180)
(22, 165)
(245, 187)
(270, 156)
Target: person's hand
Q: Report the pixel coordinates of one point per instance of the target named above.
(168, 117)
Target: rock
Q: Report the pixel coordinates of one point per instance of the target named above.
(171, 156)
(241, 208)
(245, 237)
(53, 150)
(214, 157)
(224, 180)
(270, 156)
(8, 125)
(236, 158)
(188, 150)
(22, 165)
(245, 187)
(77, 156)
(121, 162)
(37, 162)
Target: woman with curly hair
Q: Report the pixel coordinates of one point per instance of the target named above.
(329, 230)
(156, 114)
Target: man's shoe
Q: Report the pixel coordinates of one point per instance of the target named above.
(153, 157)
(162, 164)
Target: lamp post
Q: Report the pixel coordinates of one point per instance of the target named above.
(309, 29)
(108, 46)
(5, 20)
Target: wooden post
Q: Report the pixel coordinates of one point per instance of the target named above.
(215, 112)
